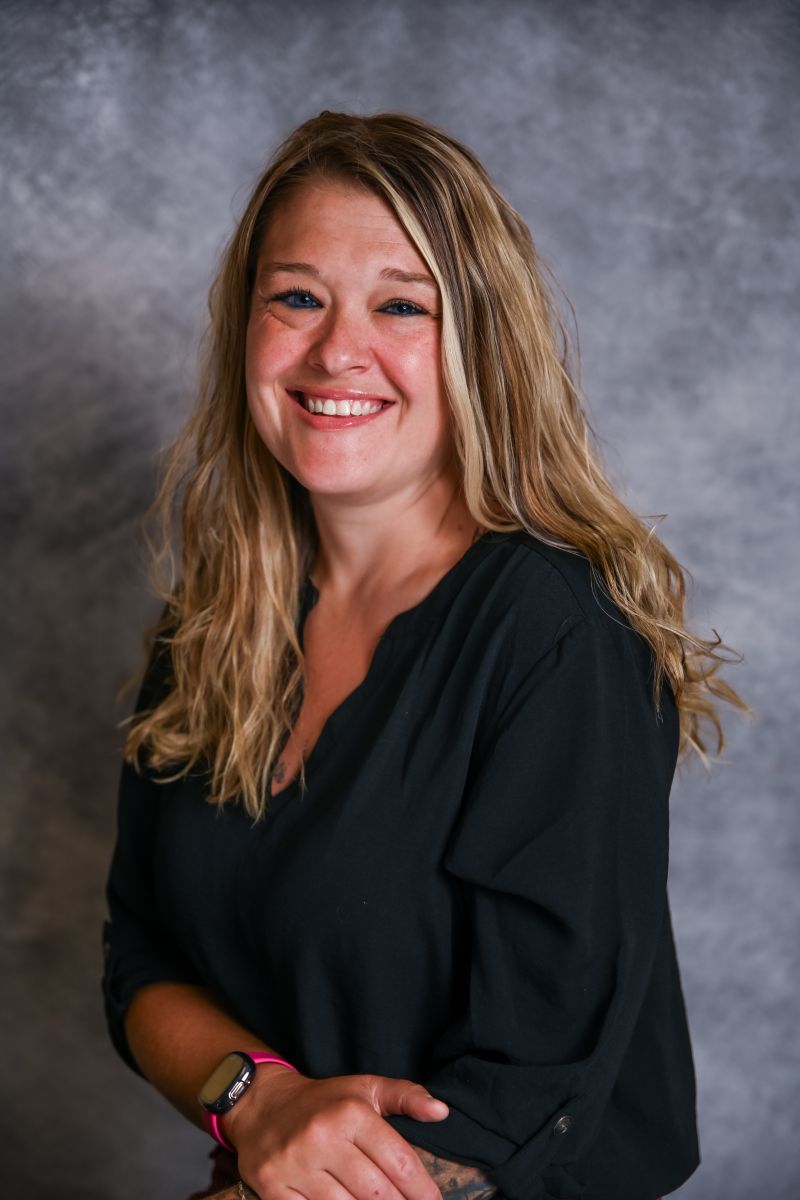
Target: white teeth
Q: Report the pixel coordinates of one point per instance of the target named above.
(342, 408)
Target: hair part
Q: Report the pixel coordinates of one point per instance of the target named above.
(233, 671)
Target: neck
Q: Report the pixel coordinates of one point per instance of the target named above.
(369, 553)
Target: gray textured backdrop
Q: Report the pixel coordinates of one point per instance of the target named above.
(653, 149)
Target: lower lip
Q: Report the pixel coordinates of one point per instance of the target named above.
(321, 421)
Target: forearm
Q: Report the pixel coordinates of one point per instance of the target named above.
(177, 1033)
(455, 1180)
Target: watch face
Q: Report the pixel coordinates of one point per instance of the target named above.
(222, 1079)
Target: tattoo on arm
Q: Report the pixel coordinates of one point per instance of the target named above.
(455, 1180)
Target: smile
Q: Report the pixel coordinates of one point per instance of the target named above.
(325, 411)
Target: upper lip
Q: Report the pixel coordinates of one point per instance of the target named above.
(340, 394)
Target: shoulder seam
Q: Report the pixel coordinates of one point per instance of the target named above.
(530, 543)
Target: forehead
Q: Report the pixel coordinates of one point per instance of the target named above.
(335, 213)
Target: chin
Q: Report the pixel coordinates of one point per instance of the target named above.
(346, 489)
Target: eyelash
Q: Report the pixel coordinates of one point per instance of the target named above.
(419, 310)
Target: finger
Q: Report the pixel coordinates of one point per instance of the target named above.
(359, 1177)
(406, 1097)
(397, 1160)
(319, 1185)
(428, 1108)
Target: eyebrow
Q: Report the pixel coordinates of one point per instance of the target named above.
(303, 268)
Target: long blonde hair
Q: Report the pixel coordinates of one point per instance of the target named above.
(230, 691)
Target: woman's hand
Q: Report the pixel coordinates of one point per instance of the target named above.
(326, 1139)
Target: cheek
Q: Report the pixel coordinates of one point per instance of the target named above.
(417, 360)
(260, 368)
(270, 348)
(253, 355)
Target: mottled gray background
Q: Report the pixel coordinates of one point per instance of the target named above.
(654, 151)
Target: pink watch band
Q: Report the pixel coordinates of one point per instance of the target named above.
(212, 1120)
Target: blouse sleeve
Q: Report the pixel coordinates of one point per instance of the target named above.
(561, 847)
(136, 948)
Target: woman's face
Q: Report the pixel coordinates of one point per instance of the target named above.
(332, 318)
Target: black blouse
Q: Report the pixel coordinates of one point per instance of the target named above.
(471, 894)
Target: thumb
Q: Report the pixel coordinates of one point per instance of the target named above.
(406, 1097)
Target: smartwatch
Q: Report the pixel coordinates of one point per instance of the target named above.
(226, 1085)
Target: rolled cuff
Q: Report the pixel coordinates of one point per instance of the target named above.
(119, 986)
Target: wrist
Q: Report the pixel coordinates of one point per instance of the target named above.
(235, 1121)
(228, 1084)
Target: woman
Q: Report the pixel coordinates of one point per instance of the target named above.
(388, 900)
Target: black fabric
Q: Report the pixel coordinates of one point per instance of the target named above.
(471, 894)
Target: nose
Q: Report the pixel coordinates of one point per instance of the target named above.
(341, 343)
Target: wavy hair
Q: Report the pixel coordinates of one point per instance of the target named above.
(234, 534)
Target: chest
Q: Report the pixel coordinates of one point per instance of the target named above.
(355, 861)
(338, 656)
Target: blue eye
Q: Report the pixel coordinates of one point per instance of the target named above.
(298, 298)
(284, 296)
(416, 310)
